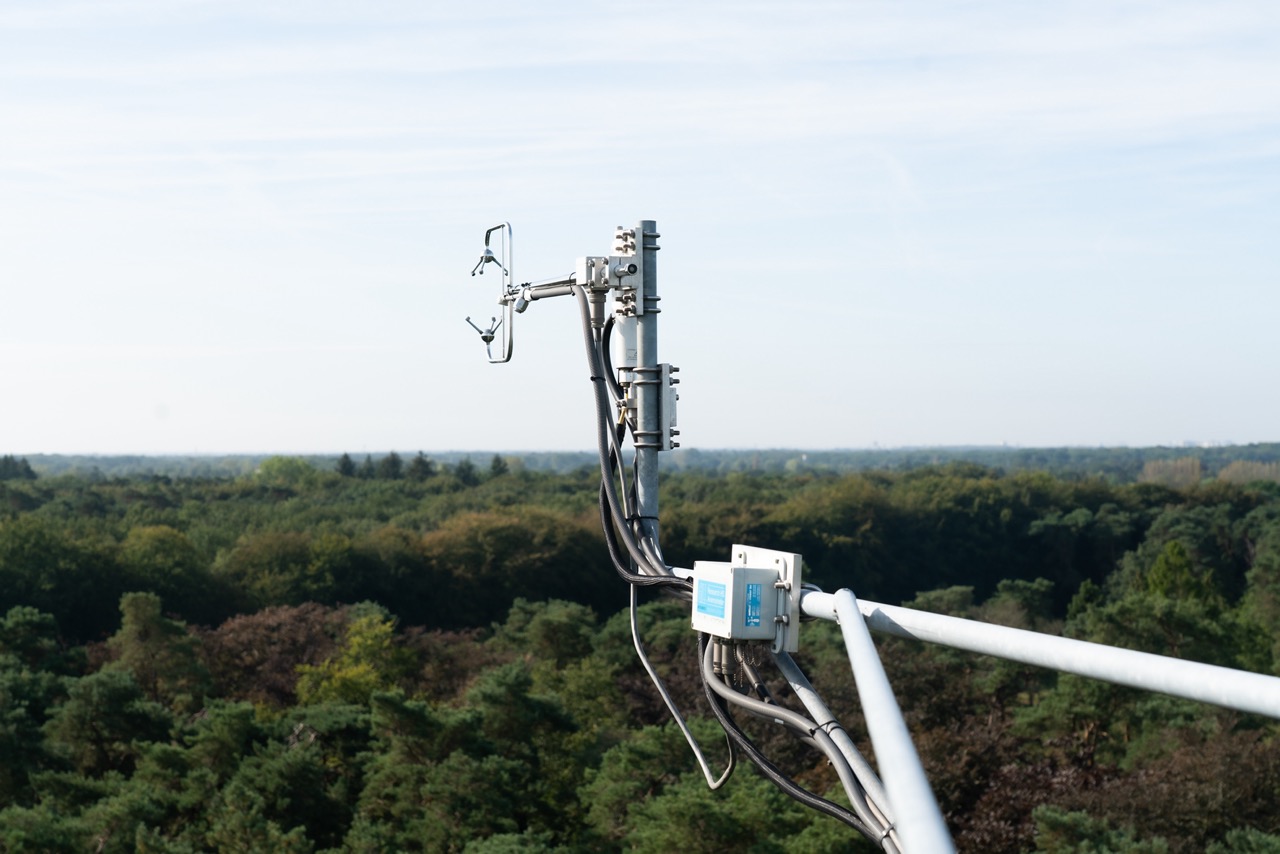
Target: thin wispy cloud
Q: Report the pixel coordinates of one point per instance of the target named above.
(915, 181)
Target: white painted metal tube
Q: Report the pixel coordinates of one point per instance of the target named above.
(1207, 683)
(822, 714)
(919, 821)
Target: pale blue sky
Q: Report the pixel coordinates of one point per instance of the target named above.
(248, 226)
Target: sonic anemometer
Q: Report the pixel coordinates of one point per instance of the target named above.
(505, 289)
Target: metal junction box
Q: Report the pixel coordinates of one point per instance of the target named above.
(754, 597)
(738, 602)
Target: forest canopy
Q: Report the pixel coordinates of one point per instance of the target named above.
(426, 655)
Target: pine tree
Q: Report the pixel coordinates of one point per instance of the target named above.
(390, 467)
(465, 472)
(345, 466)
(420, 468)
(158, 652)
(15, 469)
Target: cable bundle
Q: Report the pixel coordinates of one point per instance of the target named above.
(637, 558)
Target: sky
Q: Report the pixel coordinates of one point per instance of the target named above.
(248, 227)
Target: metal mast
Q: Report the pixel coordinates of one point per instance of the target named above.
(649, 382)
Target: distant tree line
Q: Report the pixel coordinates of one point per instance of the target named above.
(418, 469)
(1116, 465)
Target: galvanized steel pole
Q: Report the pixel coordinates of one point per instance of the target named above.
(648, 436)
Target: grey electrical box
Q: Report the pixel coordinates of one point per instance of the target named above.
(756, 596)
(737, 602)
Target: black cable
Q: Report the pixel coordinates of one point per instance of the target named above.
(775, 775)
(615, 554)
(757, 683)
(681, 586)
(604, 445)
(617, 430)
(639, 532)
(610, 373)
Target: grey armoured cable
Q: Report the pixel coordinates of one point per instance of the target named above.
(757, 684)
(802, 726)
(793, 721)
(818, 708)
(720, 708)
(671, 705)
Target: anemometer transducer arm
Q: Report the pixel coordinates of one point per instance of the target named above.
(487, 257)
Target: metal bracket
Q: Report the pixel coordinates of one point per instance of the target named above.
(667, 407)
(626, 269)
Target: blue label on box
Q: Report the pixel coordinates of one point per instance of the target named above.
(711, 596)
(753, 605)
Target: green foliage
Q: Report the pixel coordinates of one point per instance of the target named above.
(241, 820)
(634, 770)
(749, 815)
(368, 662)
(420, 468)
(15, 469)
(1260, 605)
(220, 737)
(105, 723)
(31, 637)
(478, 704)
(466, 472)
(498, 466)
(529, 842)
(162, 560)
(391, 467)
(40, 828)
(159, 653)
(1061, 832)
(555, 631)
(288, 472)
(493, 558)
(46, 566)
(26, 696)
(1246, 841)
(273, 567)
(345, 466)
